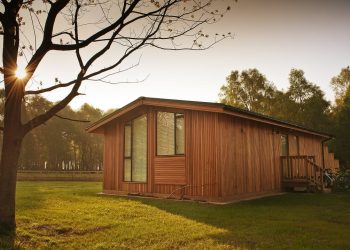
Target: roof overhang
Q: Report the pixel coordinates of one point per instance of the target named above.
(98, 126)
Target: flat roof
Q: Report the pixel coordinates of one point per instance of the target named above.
(200, 106)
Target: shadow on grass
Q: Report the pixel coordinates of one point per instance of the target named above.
(282, 221)
(238, 220)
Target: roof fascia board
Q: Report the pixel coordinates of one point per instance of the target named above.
(182, 105)
(152, 102)
(275, 123)
(138, 102)
(197, 106)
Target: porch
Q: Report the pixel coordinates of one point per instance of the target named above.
(301, 172)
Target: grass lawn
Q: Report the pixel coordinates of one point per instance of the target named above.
(70, 215)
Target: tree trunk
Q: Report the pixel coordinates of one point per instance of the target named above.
(8, 174)
(13, 134)
(13, 131)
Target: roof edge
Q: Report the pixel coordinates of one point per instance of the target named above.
(277, 120)
(107, 118)
(260, 117)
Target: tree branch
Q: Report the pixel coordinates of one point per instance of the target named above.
(77, 52)
(98, 34)
(154, 28)
(40, 119)
(70, 119)
(44, 90)
(36, 121)
(46, 42)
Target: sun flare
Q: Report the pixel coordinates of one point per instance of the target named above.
(21, 73)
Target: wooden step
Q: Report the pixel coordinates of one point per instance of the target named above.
(301, 185)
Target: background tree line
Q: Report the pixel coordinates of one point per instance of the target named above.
(62, 142)
(302, 103)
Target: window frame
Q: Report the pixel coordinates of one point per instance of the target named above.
(175, 113)
(130, 123)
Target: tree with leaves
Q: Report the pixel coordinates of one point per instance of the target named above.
(30, 29)
(249, 90)
(302, 103)
(308, 106)
(340, 85)
(341, 116)
(61, 144)
(342, 131)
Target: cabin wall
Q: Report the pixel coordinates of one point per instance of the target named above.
(201, 141)
(330, 162)
(248, 154)
(312, 146)
(226, 157)
(109, 157)
(194, 174)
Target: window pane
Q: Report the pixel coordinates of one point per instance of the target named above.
(294, 145)
(139, 149)
(284, 145)
(165, 133)
(297, 144)
(180, 134)
(127, 141)
(127, 169)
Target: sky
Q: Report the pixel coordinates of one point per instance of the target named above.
(273, 36)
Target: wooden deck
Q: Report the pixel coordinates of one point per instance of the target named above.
(301, 172)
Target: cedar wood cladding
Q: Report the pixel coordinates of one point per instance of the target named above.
(229, 152)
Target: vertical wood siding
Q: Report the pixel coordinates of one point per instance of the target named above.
(248, 155)
(109, 158)
(312, 146)
(225, 157)
(201, 154)
(330, 161)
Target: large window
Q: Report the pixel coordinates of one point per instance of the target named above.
(135, 150)
(170, 133)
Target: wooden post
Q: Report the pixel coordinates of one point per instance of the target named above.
(306, 168)
(291, 167)
(282, 170)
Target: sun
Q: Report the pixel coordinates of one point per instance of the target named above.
(21, 73)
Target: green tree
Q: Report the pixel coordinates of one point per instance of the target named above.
(62, 144)
(341, 117)
(89, 145)
(340, 84)
(342, 131)
(308, 105)
(248, 90)
(281, 106)
(302, 103)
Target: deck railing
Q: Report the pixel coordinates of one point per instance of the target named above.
(301, 167)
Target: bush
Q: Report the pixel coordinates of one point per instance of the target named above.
(342, 181)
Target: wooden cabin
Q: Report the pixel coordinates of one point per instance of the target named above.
(206, 151)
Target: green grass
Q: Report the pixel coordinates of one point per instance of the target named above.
(58, 215)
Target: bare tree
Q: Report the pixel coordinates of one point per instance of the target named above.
(31, 29)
